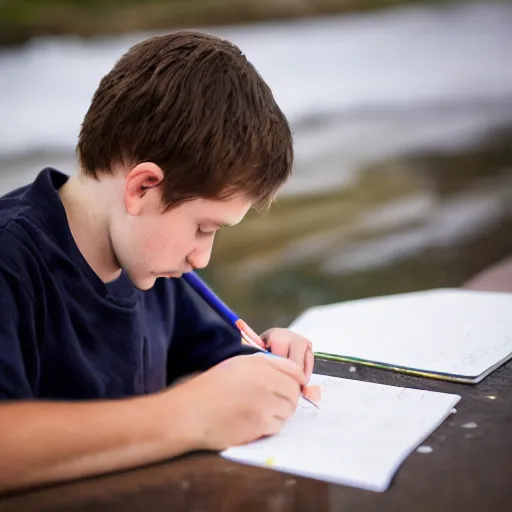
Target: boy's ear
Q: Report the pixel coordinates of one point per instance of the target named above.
(141, 187)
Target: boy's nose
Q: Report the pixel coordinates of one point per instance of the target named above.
(200, 257)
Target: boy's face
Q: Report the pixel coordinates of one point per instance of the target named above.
(151, 243)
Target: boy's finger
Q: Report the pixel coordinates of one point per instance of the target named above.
(288, 367)
(297, 353)
(278, 348)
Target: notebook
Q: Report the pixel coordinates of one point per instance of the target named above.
(451, 334)
(359, 436)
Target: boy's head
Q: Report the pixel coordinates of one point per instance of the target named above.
(192, 132)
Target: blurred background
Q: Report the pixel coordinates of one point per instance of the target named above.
(402, 119)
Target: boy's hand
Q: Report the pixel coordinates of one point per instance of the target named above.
(241, 399)
(286, 343)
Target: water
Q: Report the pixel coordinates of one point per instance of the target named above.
(402, 122)
(354, 66)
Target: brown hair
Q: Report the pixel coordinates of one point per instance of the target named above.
(194, 105)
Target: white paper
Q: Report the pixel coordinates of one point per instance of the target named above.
(459, 332)
(359, 436)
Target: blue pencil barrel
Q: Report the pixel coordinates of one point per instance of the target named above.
(210, 297)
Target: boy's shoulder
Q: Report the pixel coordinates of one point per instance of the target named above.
(15, 226)
(26, 222)
(13, 206)
(27, 202)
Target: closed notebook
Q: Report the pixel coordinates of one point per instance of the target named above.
(451, 334)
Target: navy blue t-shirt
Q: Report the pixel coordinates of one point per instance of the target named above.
(64, 334)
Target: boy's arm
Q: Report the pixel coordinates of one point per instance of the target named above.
(44, 442)
(243, 399)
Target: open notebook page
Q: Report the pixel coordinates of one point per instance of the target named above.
(359, 436)
(458, 332)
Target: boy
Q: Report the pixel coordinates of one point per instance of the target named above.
(182, 137)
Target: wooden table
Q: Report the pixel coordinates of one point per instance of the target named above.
(469, 469)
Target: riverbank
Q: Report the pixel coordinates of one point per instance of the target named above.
(21, 20)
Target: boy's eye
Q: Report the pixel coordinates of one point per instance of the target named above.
(203, 233)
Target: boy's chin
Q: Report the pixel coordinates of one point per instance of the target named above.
(145, 284)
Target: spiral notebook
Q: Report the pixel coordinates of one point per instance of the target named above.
(450, 334)
(359, 437)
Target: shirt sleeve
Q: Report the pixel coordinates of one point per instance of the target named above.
(17, 349)
(201, 338)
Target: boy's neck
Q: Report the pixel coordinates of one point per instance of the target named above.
(86, 203)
